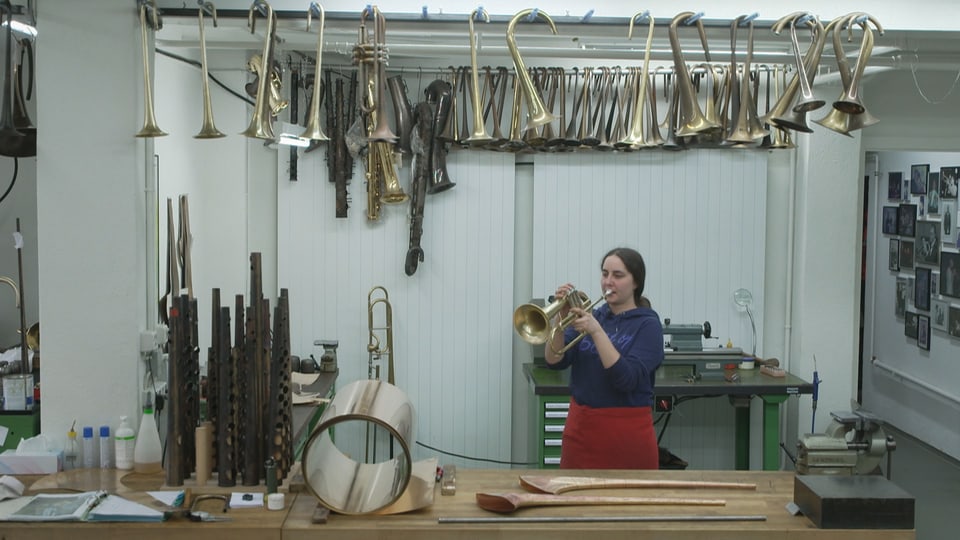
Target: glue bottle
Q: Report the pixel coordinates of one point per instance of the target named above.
(71, 450)
(123, 445)
(147, 452)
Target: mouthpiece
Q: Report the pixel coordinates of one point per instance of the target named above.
(607, 293)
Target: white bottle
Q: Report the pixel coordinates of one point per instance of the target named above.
(91, 456)
(147, 452)
(123, 444)
(106, 449)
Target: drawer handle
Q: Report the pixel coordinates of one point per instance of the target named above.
(555, 414)
(552, 442)
(553, 428)
(551, 461)
(564, 406)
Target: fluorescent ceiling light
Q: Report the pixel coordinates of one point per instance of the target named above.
(22, 28)
(288, 139)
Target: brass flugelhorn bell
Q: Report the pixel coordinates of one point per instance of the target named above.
(636, 136)
(208, 130)
(855, 116)
(783, 114)
(314, 131)
(261, 125)
(21, 140)
(537, 115)
(150, 128)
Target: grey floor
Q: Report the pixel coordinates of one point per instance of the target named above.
(933, 479)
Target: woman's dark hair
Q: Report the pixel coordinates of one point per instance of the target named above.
(635, 265)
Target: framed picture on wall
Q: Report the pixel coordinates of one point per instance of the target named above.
(918, 178)
(948, 222)
(934, 284)
(948, 182)
(894, 259)
(894, 185)
(949, 273)
(906, 254)
(890, 219)
(921, 289)
(910, 325)
(900, 302)
(939, 311)
(933, 193)
(953, 322)
(907, 220)
(927, 246)
(923, 332)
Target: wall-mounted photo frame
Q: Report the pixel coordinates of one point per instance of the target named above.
(948, 222)
(954, 322)
(933, 193)
(894, 259)
(948, 182)
(939, 312)
(890, 219)
(906, 254)
(900, 302)
(910, 324)
(926, 248)
(923, 332)
(918, 178)
(949, 273)
(907, 220)
(921, 289)
(905, 190)
(894, 185)
(935, 284)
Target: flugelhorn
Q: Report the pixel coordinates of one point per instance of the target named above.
(314, 131)
(535, 324)
(479, 135)
(375, 347)
(691, 119)
(150, 128)
(261, 125)
(208, 130)
(537, 115)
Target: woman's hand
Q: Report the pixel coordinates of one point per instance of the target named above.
(585, 322)
(560, 294)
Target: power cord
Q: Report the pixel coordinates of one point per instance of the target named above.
(486, 460)
(13, 180)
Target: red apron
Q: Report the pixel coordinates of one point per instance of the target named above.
(609, 438)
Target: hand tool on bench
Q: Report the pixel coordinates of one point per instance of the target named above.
(562, 484)
(510, 502)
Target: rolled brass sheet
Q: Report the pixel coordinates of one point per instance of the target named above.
(348, 486)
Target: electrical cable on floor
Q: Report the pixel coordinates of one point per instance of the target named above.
(485, 460)
(13, 180)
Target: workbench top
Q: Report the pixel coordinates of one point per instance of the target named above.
(774, 491)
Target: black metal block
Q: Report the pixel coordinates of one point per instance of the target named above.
(853, 502)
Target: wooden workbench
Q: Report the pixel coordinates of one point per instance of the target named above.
(774, 491)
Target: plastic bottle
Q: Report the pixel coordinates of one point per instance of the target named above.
(106, 449)
(91, 456)
(147, 452)
(71, 450)
(123, 444)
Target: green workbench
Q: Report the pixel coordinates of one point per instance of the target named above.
(551, 396)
